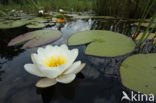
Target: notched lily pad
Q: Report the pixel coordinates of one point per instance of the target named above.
(103, 43)
(36, 38)
(138, 73)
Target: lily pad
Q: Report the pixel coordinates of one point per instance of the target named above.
(93, 17)
(36, 25)
(103, 43)
(62, 16)
(138, 72)
(12, 24)
(36, 38)
(38, 19)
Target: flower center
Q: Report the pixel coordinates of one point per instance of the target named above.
(55, 61)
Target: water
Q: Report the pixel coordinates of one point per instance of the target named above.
(99, 81)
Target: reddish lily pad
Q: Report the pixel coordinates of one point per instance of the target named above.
(36, 38)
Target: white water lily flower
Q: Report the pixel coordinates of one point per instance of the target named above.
(12, 10)
(56, 64)
(61, 10)
(40, 11)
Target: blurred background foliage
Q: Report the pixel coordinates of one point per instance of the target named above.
(119, 8)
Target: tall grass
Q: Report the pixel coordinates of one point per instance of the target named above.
(33, 6)
(121, 8)
(147, 32)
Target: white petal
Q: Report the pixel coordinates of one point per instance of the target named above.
(49, 72)
(72, 55)
(64, 47)
(42, 53)
(80, 68)
(46, 82)
(32, 69)
(66, 78)
(54, 51)
(36, 59)
(73, 68)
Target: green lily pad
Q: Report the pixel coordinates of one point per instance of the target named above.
(12, 24)
(38, 19)
(62, 16)
(36, 25)
(36, 38)
(138, 72)
(103, 43)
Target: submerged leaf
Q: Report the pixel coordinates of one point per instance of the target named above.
(103, 43)
(36, 38)
(151, 36)
(138, 72)
(145, 24)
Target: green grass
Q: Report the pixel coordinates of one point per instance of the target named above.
(32, 6)
(123, 8)
(120, 8)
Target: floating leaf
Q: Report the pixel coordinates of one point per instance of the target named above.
(93, 17)
(50, 23)
(36, 25)
(62, 16)
(12, 24)
(138, 72)
(38, 19)
(36, 38)
(103, 43)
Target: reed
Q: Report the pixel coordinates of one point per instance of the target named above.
(120, 8)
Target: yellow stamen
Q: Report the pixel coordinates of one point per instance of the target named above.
(55, 61)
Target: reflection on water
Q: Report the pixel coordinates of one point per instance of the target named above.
(83, 91)
(99, 81)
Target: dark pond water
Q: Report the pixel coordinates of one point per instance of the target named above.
(99, 81)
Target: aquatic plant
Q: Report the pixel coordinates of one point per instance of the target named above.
(146, 33)
(138, 73)
(12, 23)
(103, 43)
(36, 38)
(120, 8)
(54, 63)
(36, 25)
(124, 8)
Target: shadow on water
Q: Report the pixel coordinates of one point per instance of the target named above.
(98, 82)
